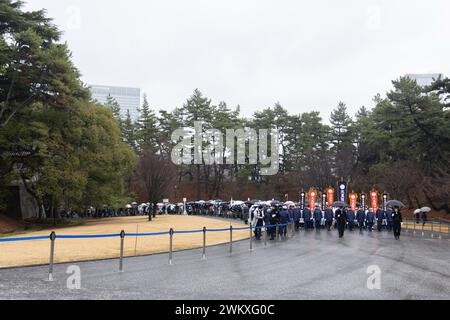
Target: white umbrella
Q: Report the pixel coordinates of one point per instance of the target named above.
(425, 209)
(417, 211)
(238, 203)
(129, 206)
(289, 203)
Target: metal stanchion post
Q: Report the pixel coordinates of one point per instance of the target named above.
(278, 233)
(293, 229)
(171, 246)
(415, 227)
(440, 229)
(423, 233)
(52, 254)
(265, 236)
(251, 237)
(432, 228)
(204, 244)
(122, 240)
(231, 239)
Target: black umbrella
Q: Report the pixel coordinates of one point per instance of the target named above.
(395, 203)
(339, 204)
(275, 203)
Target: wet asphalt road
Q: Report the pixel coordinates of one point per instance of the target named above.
(309, 266)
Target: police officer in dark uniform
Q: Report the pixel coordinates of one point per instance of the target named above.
(308, 218)
(297, 215)
(351, 219)
(361, 218)
(284, 220)
(379, 217)
(341, 219)
(397, 222)
(389, 220)
(329, 216)
(318, 218)
(370, 219)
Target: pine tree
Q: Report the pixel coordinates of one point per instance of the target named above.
(129, 131)
(147, 131)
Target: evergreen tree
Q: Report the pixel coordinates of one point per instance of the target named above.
(147, 130)
(129, 131)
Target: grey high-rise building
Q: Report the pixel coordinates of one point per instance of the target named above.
(128, 98)
(425, 79)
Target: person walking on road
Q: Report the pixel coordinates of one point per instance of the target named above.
(341, 219)
(397, 222)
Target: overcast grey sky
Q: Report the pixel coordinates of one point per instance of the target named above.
(308, 55)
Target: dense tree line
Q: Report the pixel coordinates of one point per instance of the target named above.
(65, 149)
(401, 146)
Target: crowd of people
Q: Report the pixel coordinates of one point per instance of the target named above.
(271, 215)
(341, 218)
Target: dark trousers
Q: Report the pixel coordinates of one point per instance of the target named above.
(328, 224)
(397, 228)
(318, 226)
(297, 225)
(370, 226)
(283, 231)
(258, 230)
(361, 226)
(379, 225)
(341, 229)
(351, 225)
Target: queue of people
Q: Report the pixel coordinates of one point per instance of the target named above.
(341, 218)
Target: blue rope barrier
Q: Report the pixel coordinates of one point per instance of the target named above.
(25, 239)
(95, 236)
(153, 234)
(188, 232)
(219, 230)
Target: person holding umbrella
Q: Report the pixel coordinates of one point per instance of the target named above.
(397, 222)
(341, 218)
(425, 211)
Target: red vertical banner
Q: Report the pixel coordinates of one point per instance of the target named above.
(312, 199)
(353, 200)
(330, 196)
(374, 200)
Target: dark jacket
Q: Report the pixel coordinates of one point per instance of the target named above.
(329, 215)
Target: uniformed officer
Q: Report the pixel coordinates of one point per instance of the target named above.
(351, 219)
(329, 216)
(297, 216)
(307, 216)
(379, 217)
(284, 221)
(389, 221)
(397, 222)
(361, 217)
(370, 219)
(341, 218)
(318, 217)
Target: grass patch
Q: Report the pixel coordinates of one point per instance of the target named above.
(34, 225)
